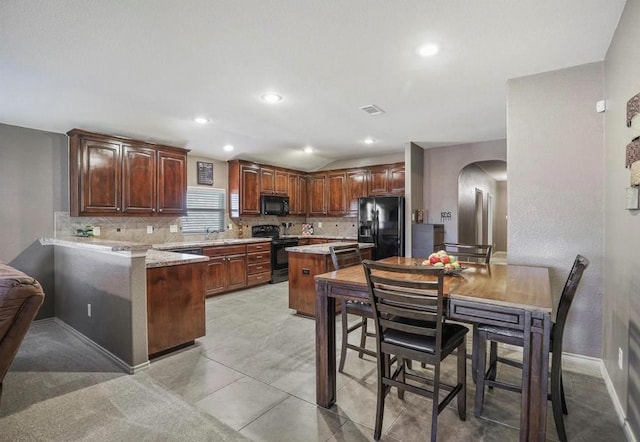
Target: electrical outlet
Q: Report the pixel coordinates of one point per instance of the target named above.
(230, 227)
(89, 310)
(96, 231)
(620, 358)
(173, 228)
(149, 229)
(319, 225)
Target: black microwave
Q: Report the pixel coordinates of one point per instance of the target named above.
(274, 205)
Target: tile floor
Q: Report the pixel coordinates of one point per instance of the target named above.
(255, 372)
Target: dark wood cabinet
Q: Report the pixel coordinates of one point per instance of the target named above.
(281, 182)
(113, 176)
(258, 263)
(387, 179)
(244, 188)
(336, 193)
(175, 306)
(317, 194)
(226, 269)
(298, 196)
(273, 181)
(356, 187)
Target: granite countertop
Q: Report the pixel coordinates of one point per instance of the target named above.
(159, 258)
(208, 243)
(100, 245)
(323, 249)
(354, 238)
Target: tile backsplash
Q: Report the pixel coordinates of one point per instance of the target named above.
(135, 228)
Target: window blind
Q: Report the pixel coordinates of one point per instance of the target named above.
(205, 208)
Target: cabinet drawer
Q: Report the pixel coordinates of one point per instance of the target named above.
(259, 257)
(224, 250)
(258, 267)
(258, 278)
(259, 247)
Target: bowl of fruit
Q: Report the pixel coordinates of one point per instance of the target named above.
(441, 259)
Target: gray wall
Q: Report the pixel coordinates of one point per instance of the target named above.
(33, 184)
(556, 182)
(471, 178)
(622, 227)
(442, 167)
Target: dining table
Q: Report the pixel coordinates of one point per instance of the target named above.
(512, 296)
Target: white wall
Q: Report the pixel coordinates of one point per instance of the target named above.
(622, 227)
(442, 167)
(556, 182)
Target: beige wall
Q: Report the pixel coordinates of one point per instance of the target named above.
(622, 227)
(556, 182)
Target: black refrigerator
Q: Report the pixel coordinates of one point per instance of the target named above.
(381, 222)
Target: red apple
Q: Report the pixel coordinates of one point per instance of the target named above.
(444, 259)
(434, 259)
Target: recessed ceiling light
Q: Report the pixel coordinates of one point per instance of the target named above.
(271, 98)
(201, 120)
(369, 140)
(427, 50)
(308, 149)
(228, 147)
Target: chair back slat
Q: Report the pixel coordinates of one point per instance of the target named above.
(345, 255)
(467, 252)
(566, 298)
(406, 298)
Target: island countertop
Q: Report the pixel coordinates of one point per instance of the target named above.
(208, 243)
(323, 249)
(160, 258)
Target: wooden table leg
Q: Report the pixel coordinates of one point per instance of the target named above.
(533, 411)
(325, 347)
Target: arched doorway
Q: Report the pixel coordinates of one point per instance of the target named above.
(482, 204)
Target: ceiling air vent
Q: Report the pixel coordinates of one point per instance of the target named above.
(372, 109)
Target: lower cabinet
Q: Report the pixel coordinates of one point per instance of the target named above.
(302, 287)
(175, 305)
(226, 269)
(258, 263)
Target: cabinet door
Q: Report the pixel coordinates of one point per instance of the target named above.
(336, 201)
(267, 180)
(379, 180)
(294, 197)
(172, 183)
(356, 187)
(139, 180)
(216, 281)
(100, 175)
(303, 195)
(281, 182)
(249, 190)
(236, 271)
(396, 179)
(317, 195)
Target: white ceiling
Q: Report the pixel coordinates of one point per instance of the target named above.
(146, 68)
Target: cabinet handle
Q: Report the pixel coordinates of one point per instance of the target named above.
(153, 210)
(258, 256)
(159, 210)
(117, 209)
(259, 268)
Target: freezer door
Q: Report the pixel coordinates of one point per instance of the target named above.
(389, 227)
(366, 220)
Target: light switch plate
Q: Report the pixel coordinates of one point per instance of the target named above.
(96, 231)
(173, 228)
(149, 229)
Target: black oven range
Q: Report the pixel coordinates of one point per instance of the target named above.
(279, 257)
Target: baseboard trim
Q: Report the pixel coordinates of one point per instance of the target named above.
(130, 369)
(616, 404)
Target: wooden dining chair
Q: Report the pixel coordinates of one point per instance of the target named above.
(495, 334)
(345, 256)
(408, 306)
(467, 252)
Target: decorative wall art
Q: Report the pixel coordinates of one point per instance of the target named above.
(205, 173)
(632, 153)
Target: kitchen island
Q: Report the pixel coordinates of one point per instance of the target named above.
(305, 262)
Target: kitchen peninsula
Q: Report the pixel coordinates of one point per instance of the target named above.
(305, 262)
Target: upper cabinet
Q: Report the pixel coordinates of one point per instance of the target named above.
(386, 179)
(273, 181)
(317, 194)
(356, 186)
(244, 188)
(113, 176)
(336, 193)
(297, 193)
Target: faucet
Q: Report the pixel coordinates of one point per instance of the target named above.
(210, 230)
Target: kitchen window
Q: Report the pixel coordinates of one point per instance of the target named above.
(205, 209)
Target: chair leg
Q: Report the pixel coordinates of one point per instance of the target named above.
(383, 371)
(556, 395)
(564, 402)
(474, 354)
(363, 336)
(435, 403)
(482, 362)
(402, 366)
(345, 336)
(462, 379)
